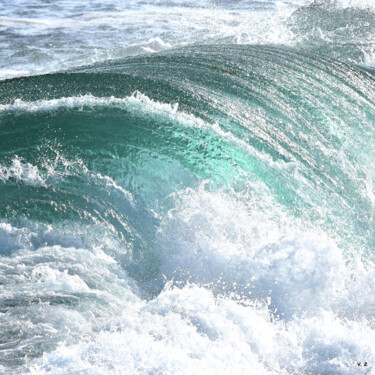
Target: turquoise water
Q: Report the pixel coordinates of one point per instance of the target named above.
(205, 209)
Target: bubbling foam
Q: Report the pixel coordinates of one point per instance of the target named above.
(244, 288)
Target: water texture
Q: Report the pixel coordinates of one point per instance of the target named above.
(187, 187)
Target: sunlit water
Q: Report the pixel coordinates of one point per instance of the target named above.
(189, 190)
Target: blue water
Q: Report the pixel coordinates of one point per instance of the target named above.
(187, 187)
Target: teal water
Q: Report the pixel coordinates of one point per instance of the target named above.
(204, 209)
(301, 125)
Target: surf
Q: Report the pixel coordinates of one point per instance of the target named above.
(158, 211)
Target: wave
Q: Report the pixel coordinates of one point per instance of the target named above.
(159, 211)
(288, 115)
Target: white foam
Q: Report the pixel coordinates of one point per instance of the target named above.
(22, 171)
(55, 290)
(127, 30)
(212, 238)
(369, 58)
(55, 280)
(55, 104)
(248, 290)
(49, 172)
(136, 100)
(55, 271)
(359, 4)
(188, 331)
(54, 171)
(143, 28)
(12, 237)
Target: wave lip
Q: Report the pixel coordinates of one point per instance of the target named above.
(136, 100)
(55, 104)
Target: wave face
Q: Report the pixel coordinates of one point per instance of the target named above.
(208, 209)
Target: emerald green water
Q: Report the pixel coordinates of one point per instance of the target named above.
(204, 166)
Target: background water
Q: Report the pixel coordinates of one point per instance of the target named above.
(44, 36)
(187, 187)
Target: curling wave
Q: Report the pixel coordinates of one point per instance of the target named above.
(205, 209)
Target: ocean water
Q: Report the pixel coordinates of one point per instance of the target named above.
(187, 187)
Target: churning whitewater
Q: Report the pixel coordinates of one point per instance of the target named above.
(193, 196)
